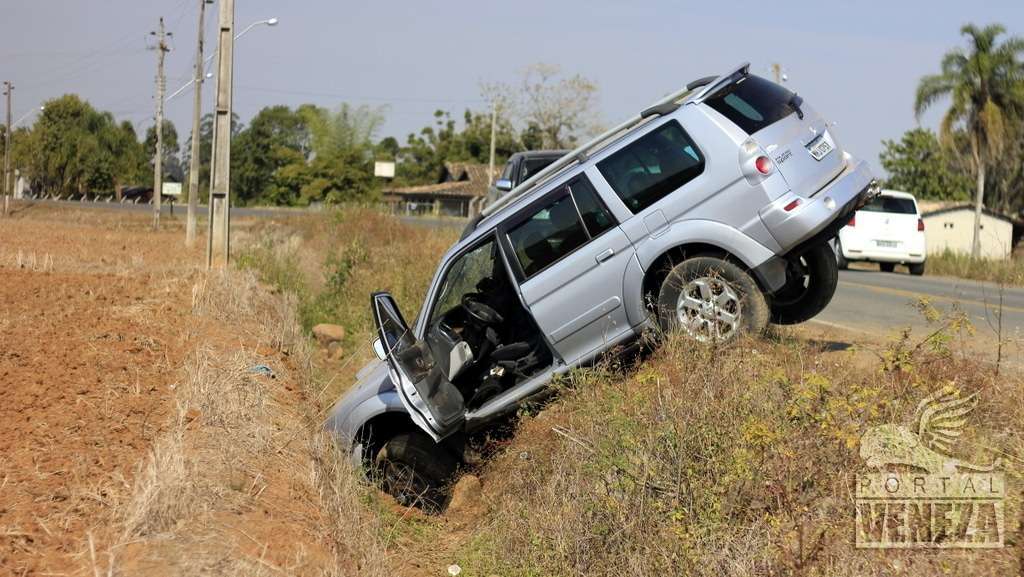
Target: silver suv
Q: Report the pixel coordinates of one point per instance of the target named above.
(709, 213)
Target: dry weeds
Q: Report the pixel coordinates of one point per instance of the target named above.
(244, 462)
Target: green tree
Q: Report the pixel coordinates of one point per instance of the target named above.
(73, 148)
(276, 137)
(983, 83)
(172, 169)
(206, 151)
(425, 153)
(917, 163)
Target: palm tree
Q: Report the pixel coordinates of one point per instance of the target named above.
(984, 83)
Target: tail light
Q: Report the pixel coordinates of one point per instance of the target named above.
(853, 220)
(764, 165)
(920, 225)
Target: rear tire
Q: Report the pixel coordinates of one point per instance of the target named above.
(887, 266)
(415, 470)
(711, 300)
(916, 269)
(807, 294)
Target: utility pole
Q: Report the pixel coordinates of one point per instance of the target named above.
(8, 89)
(220, 169)
(777, 72)
(494, 122)
(197, 111)
(158, 160)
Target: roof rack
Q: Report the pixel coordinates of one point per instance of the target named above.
(664, 106)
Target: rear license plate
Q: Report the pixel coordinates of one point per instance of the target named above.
(821, 146)
(887, 243)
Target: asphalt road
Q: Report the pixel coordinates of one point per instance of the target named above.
(883, 303)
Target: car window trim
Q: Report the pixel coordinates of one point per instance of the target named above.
(579, 215)
(529, 210)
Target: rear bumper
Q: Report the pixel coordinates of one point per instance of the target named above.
(857, 247)
(882, 256)
(817, 219)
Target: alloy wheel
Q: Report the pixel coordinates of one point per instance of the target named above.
(709, 309)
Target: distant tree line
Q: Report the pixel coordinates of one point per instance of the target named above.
(978, 151)
(296, 156)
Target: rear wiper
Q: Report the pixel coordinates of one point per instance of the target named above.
(795, 102)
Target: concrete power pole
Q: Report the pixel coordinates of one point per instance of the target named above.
(158, 159)
(220, 169)
(8, 89)
(197, 111)
(494, 122)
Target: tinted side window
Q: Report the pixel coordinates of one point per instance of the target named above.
(549, 234)
(753, 103)
(653, 166)
(595, 215)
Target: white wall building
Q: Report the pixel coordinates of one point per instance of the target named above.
(953, 228)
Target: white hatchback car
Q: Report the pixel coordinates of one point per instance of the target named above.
(888, 230)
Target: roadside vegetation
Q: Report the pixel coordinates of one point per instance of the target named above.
(1009, 272)
(741, 461)
(332, 264)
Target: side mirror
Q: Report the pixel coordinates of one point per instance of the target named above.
(503, 184)
(378, 349)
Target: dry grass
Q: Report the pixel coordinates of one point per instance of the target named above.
(244, 460)
(1005, 271)
(728, 461)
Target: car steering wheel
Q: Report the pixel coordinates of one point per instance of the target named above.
(479, 311)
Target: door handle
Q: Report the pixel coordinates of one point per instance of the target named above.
(605, 255)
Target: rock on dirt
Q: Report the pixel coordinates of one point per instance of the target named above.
(465, 494)
(326, 333)
(336, 351)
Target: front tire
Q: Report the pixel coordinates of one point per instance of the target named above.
(415, 470)
(887, 266)
(810, 285)
(711, 300)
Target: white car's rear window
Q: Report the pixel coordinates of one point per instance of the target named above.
(891, 204)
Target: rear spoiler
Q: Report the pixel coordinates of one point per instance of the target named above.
(712, 88)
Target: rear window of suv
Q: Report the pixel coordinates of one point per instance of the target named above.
(891, 204)
(752, 103)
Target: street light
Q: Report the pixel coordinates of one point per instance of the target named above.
(27, 114)
(208, 59)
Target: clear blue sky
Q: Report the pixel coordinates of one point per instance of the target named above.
(857, 61)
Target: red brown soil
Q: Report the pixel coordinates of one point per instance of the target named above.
(90, 342)
(95, 325)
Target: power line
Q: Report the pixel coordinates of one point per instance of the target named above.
(350, 98)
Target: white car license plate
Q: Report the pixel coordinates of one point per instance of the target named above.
(887, 243)
(821, 147)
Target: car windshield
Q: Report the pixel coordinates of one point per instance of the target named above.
(891, 204)
(753, 103)
(464, 277)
